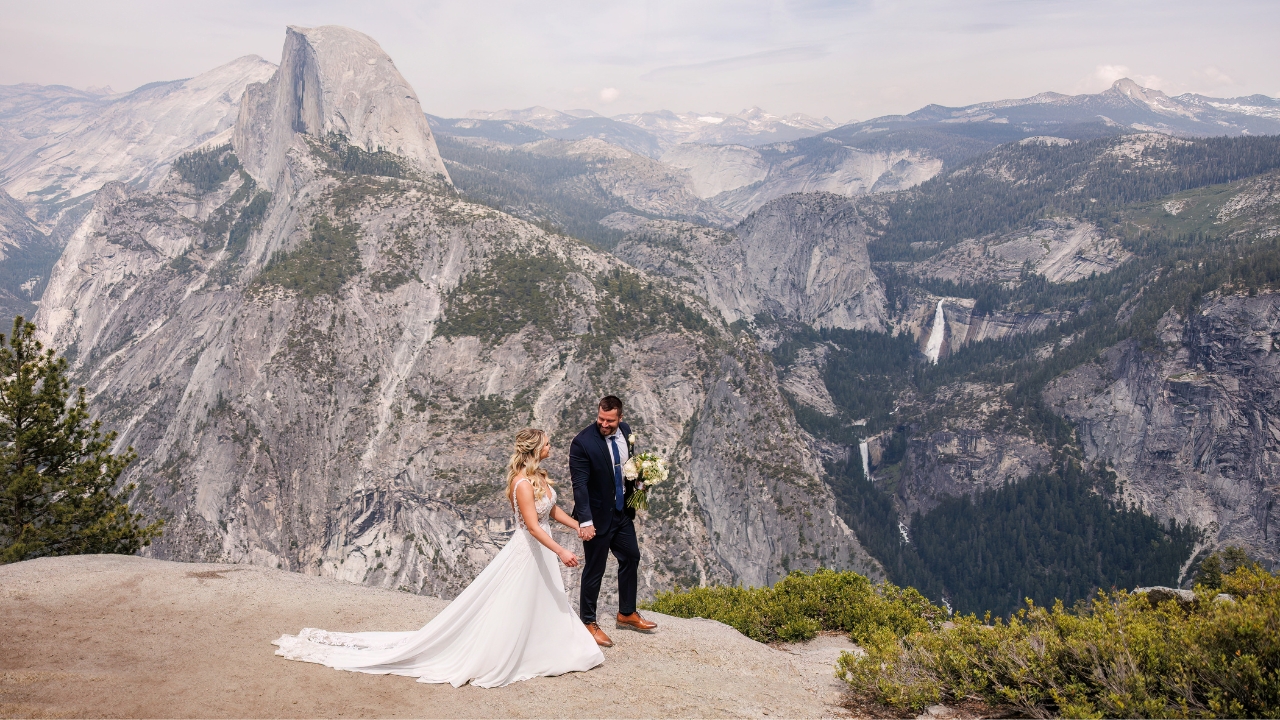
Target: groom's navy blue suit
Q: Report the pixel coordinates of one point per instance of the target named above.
(595, 499)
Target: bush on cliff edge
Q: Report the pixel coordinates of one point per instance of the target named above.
(800, 605)
(1120, 655)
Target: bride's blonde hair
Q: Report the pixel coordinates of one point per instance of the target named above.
(524, 461)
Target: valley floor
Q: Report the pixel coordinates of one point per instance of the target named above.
(120, 636)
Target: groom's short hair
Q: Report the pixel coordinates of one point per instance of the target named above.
(609, 403)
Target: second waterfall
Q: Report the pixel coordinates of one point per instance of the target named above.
(934, 347)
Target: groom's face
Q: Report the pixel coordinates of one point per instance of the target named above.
(607, 421)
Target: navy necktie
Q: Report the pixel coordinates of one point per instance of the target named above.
(617, 473)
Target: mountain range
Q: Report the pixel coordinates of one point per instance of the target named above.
(1018, 349)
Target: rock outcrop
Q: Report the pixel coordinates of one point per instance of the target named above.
(816, 165)
(115, 636)
(956, 448)
(739, 180)
(961, 323)
(802, 257)
(332, 80)
(1192, 429)
(1061, 249)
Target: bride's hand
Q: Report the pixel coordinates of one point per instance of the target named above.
(568, 558)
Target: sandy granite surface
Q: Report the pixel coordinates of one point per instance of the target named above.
(120, 636)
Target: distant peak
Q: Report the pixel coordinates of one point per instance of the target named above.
(332, 79)
(1132, 89)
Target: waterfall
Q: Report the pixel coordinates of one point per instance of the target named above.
(902, 528)
(934, 348)
(866, 459)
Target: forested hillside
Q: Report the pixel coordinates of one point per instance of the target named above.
(1199, 218)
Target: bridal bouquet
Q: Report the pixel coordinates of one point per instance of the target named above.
(644, 469)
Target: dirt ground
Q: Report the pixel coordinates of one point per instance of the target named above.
(120, 636)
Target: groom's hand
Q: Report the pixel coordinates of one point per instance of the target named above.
(586, 533)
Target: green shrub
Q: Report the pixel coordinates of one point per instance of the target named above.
(1224, 562)
(246, 224)
(510, 291)
(207, 169)
(321, 264)
(340, 155)
(628, 306)
(488, 413)
(1117, 656)
(800, 605)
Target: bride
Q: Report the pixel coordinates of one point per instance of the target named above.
(512, 623)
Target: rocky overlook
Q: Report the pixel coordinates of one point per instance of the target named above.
(318, 320)
(324, 377)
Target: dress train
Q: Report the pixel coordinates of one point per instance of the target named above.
(512, 623)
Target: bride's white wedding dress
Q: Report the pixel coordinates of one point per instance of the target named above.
(512, 623)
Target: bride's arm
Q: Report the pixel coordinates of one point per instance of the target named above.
(564, 518)
(524, 501)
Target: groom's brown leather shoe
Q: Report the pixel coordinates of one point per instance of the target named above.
(635, 622)
(601, 639)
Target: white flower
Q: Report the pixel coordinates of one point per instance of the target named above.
(629, 469)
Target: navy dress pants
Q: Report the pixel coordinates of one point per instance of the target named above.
(621, 541)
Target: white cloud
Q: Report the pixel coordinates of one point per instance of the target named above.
(1211, 78)
(799, 53)
(610, 94)
(1105, 75)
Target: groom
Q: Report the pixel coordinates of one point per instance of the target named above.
(596, 458)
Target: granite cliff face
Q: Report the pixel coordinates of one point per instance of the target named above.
(58, 146)
(809, 166)
(1060, 249)
(941, 326)
(1191, 428)
(325, 376)
(802, 257)
(64, 145)
(332, 80)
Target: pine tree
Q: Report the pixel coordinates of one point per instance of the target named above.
(57, 472)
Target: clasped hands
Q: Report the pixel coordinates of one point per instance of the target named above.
(586, 533)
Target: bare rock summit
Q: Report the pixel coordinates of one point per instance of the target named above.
(332, 79)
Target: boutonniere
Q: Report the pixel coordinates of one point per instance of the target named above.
(631, 443)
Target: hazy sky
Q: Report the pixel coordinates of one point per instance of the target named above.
(846, 60)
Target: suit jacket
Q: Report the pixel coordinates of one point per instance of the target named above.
(591, 468)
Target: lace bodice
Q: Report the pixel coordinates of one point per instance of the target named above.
(542, 507)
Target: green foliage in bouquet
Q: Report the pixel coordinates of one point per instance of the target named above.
(801, 605)
(1120, 655)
